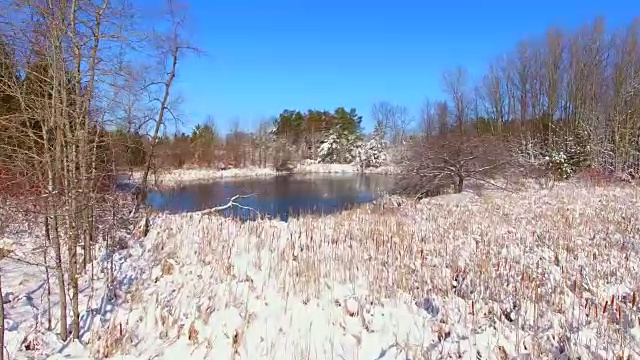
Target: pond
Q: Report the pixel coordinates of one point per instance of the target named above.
(276, 197)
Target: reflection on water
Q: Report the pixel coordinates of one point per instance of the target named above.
(275, 197)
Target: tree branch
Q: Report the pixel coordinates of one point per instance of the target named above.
(232, 202)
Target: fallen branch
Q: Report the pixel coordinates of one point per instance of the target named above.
(232, 202)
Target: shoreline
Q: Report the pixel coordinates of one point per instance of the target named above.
(177, 177)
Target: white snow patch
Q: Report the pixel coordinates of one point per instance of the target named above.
(184, 176)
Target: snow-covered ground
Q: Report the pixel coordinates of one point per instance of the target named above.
(536, 274)
(342, 168)
(182, 176)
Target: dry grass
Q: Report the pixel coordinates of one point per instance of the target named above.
(550, 272)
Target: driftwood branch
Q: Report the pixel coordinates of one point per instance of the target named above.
(232, 202)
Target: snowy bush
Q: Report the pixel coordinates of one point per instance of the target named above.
(572, 156)
(557, 160)
(372, 153)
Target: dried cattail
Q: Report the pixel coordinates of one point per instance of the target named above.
(473, 308)
(193, 333)
(612, 298)
(596, 313)
(236, 342)
(502, 353)
(633, 299)
(604, 307)
(619, 315)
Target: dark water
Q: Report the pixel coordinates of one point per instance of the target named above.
(275, 197)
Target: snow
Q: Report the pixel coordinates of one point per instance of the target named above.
(372, 153)
(494, 276)
(184, 176)
(181, 176)
(26, 310)
(342, 168)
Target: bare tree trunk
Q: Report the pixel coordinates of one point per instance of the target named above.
(55, 240)
(60, 184)
(47, 240)
(64, 332)
(73, 280)
(459, 184)
(159, 122)
(1, 320)
(173, 51)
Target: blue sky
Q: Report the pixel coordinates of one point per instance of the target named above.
(265, 56)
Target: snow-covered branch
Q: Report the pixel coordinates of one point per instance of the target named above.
(232, 202)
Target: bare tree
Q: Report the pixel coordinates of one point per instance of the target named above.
(442, 117)
(552, 76)
(171, 46)
(395, 118)
(131, 114)
(264, 142)
(57, 135)
(438, 165)
(428, 118)
(494, 95)
(233, 145)
(522, 68)
(3, 224)
(454, 83)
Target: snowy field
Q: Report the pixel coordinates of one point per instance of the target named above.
(542, 274)
(183, 176)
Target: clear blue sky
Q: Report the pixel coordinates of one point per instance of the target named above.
(265, 56)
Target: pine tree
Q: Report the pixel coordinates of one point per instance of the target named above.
(373, 152)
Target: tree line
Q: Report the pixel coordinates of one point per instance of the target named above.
(292, 136)
(562, 102)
